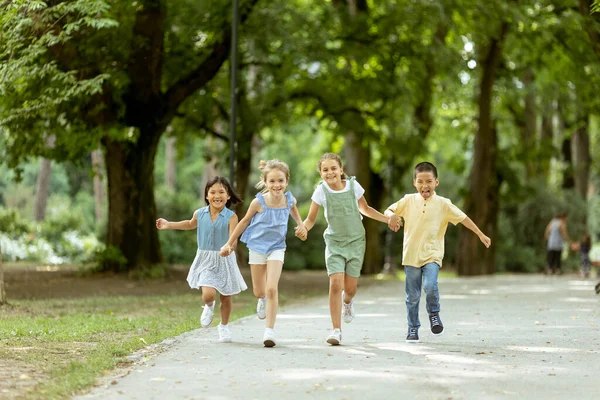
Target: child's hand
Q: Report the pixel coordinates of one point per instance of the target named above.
(225, 250)
(485, 240)
(301, 232)
(394, 223)
(575, 246)
(162, 223)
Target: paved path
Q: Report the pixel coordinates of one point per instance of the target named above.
(518, 337)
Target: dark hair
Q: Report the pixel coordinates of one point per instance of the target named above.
(234, 198)
(425, 167)
(332, 156)
(587, 239)
(561, 214)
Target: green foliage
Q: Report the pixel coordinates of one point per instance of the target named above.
(12, 224)
(110, 255)
(178, 246)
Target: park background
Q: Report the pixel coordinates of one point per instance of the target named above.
(115, 113)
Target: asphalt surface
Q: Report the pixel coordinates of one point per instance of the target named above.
(519, 337)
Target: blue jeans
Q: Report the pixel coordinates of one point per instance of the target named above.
(427, 277)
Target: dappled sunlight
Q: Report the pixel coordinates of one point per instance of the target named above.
(47, 268)
(582, 283)
(410, 348)
(302, 316)
(361, 315)
(543, 349)
(450, 358)
(578, 300)
(480, 291)
(354, 351)
(453, 297)
(354, 374)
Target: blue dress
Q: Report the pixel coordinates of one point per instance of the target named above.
(209, 268)
(267, 229)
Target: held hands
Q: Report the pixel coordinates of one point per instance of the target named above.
(162, 223)
(394, 222)
(485, 240)
(301, 232)
(226, 250)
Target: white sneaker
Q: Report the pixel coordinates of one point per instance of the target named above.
(261, 308)
(335, 337)
(224, 334)
(347, 310)
(207, 315)
(269, 338)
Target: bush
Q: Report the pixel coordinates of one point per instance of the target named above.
(177, 246)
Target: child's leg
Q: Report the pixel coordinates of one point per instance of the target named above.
(274, 268)
(414, 278)
(430, 285)
(208, 295)
(259, 279)
(350, 287)
(225, 309)
(336, 284)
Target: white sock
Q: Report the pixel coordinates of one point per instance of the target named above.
(269, 330)
(212, 306)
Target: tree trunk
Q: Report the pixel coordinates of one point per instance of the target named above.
(99, 190)
(582, 158)
(357, 160)
(530, 129)
(481, 203)
(546, 145)
(42, 189)
(3, 299)
(131, 206)
(170, 168)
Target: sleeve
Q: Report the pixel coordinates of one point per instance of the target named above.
(359, 191)
(398, 207)
(453, 213)
(318, 195)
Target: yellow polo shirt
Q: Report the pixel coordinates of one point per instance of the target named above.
(425, 224)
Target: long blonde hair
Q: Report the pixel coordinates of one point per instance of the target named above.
(266, 167)
(332, 156)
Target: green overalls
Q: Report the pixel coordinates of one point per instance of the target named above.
(345, 234)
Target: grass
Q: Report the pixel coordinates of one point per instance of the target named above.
(71, 342)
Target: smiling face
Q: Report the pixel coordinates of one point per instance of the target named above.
(331, 173)
(276, 182)
(425, 183)
(217, 196)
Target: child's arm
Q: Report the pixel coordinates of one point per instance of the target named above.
(368, 211)
(185, 225)
(395, 222)
(300, 230)
(468, 223)
(547, 231)
(311, 218)
(563, 232)
(233, 221)
(240, 228)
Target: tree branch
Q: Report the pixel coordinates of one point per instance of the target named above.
(206, 71)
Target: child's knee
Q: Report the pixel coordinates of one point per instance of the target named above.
(336, 285)
(271, 292)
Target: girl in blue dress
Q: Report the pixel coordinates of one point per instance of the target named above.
(266, 222)
(210, 271)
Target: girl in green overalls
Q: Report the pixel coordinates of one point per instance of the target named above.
(343, 201)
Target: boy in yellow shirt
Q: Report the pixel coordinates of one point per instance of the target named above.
(426, 217)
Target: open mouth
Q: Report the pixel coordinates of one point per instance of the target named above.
(426, 193)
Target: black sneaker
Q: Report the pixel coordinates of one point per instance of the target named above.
(413, 335)
(597, 288)
(436, 324)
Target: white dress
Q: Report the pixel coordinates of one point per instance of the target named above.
(209, 268)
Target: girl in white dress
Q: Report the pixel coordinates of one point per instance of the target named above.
(209, 271)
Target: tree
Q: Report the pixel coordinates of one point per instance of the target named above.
(126, 94)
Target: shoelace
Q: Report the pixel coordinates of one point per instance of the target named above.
(412, 332)
(435, 320)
